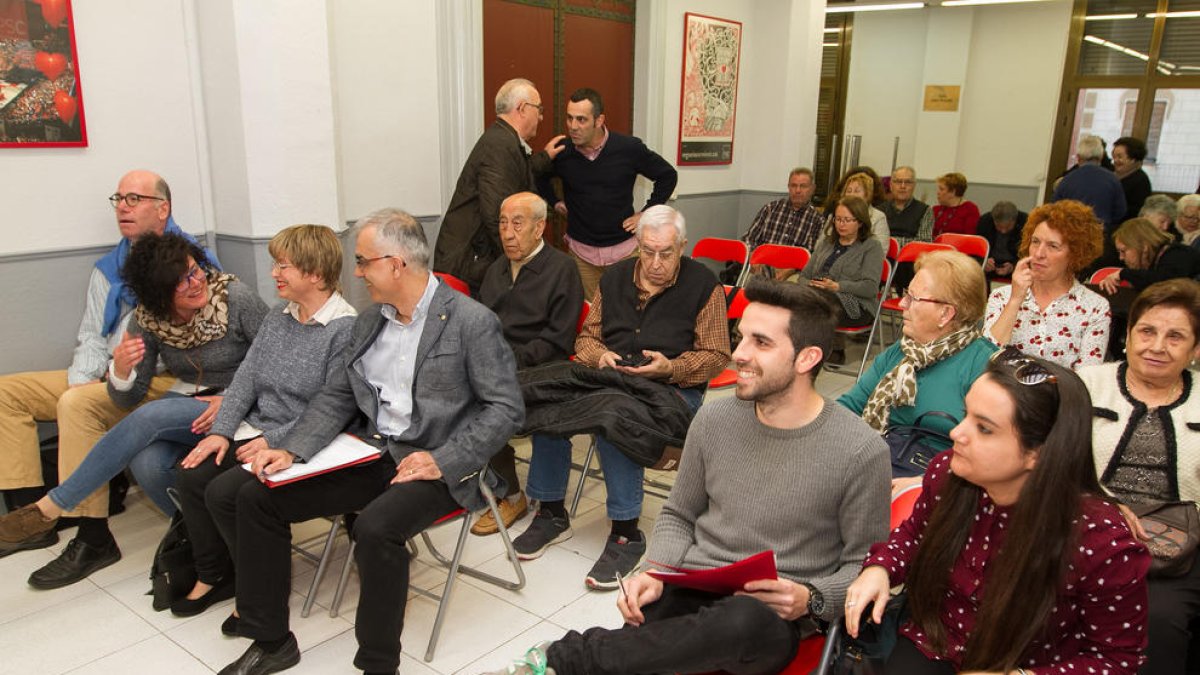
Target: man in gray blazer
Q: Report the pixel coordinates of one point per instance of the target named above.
(428, 378)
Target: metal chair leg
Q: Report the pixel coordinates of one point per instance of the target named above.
(583, 476)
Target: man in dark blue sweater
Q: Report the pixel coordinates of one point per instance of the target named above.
(598, 170)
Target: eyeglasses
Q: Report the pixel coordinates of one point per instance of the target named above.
(1026, 370)
(845, 221)
(540, 108)
(282, 267)
(664, 257)
(903, 181)
(131, 199)
(193, 274)
(909, 298)
(361, 262)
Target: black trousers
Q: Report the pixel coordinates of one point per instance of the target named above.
(504, 463)
(256, 523)
(1173, 604)
(213, 560)
(686, 631)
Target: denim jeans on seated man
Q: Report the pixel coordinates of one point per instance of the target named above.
(549, 473)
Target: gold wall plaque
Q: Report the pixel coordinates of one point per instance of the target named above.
(941, 97)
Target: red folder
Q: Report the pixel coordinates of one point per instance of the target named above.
(725, 580)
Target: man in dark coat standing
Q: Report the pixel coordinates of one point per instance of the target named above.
(501, 164)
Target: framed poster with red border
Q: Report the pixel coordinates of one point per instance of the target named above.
(712, 51)
(41, 101)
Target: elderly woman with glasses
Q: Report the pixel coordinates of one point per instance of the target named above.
(1187, 219)
(1146, 443)
(1014, 561)
(1046, 312)
(933, 365)
(200, 323)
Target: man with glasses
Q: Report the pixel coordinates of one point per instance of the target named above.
(598, 171)
(659, 316)
(429, 380)
(909, 219)
(500, 164)
(76, 398)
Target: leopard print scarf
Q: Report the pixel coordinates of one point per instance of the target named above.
(208, 324)
(899, 387)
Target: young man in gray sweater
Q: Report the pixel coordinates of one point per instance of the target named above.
(779, 467)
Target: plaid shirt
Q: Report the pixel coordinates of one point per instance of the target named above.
(778, 223)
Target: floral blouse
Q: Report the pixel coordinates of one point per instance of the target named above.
(1072, 332)
(1099, 622)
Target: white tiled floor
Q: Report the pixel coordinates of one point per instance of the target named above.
(105, 624)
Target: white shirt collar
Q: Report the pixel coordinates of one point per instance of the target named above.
(335, 307)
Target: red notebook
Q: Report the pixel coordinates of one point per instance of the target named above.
(343, 451)
(725, 580)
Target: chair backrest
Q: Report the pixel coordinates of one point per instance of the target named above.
(893, 249)
(971, 244)
(913, 250)
(780, 256)
(721, 250)
(1103, 273)
(454, 282)
(902, 505)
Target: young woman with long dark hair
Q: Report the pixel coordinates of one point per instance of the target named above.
(1014, 562)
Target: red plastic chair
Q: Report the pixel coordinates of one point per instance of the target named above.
(724, 251)
(583, 315)
(737, 306)
(893, 250)
(454, 282)
(1103, 273)
(971, 244)
(780, 256)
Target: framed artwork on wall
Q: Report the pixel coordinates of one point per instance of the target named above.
(41, 103)
(712, 50)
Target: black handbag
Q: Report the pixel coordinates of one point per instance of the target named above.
(173, 573)
(913, 446)
(868, 653)
(1174, 529)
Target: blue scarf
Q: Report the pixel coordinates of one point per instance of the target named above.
(119, 295)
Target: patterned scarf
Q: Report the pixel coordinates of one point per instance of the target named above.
(899, 387)
(206, 325)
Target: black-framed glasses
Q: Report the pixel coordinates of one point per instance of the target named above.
(1025, 369)
(361, 262)
(909, 298)
(131, 199)
(540, 108)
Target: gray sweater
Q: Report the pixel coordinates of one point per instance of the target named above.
(286, 366)
(211, 364)
(818, 496)
(857, 273)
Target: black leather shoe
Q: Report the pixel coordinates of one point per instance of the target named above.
(229, 626)
(258, 661)
(222, 590)
(76, 563)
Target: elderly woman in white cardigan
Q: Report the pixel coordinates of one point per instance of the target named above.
(1146, 441)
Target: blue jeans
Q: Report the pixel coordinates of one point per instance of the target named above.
(550, 468)
(150, 441)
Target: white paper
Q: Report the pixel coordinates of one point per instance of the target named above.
(343, 450)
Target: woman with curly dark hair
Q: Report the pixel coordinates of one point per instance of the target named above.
(1046, 312)
(200, 322)
(1013, 560)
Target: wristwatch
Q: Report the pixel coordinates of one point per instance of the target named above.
(816, 600)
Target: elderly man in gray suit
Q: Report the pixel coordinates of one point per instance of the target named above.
(428, 378)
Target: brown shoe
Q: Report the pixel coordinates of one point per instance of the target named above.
(25, 528)
(510, 511)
